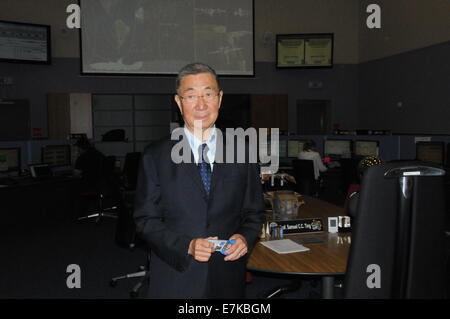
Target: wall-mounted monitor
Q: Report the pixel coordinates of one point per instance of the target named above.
(304, 50)
(25, 42)
(56, 155)
(338, 148)
(160, 37)
(366, 148)
(10, 160)
(433, 152)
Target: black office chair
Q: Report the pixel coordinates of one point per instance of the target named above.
(126, 228)
(126, 238)
(304, 176)
(130, 170)
(349, 172)
(105, 195)
(126, 233)
(398, 239)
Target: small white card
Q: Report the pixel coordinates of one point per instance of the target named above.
(284, 246)
(218, 244)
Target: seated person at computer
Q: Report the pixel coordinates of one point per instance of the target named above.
(88, 165)
(309, 152)
(351, 201)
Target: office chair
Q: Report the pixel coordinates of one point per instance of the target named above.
(126, 228)
(125, 233)
(126, 237)
(397, 246)
(349, 173)
(116, 135)
(304, 176)
(279, 291)
(130, 170)
(106, 193)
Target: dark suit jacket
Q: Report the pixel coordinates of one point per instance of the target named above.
(172, 208)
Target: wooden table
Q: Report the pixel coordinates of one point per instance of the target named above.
(327, 259)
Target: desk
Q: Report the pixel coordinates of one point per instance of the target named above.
(327, 259)
(30, 200)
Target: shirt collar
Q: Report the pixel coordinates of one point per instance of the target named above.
(195, 143)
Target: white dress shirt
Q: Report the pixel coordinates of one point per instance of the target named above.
(195, 143)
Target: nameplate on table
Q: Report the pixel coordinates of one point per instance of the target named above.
(298, 226)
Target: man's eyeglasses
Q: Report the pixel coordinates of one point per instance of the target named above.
(207, 97)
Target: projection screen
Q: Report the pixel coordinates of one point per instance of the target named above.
(161, 36)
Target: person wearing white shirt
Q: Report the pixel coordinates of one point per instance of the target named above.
(309, 153)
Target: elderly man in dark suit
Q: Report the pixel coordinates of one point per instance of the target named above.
(180, 207)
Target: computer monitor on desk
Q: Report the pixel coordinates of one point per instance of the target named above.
(10, 160)
(433, 152)
(282, 148)
(56, 155)
(295, 147)
(337, 149)
(366, 148)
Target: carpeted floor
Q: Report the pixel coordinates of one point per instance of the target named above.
(35, 257)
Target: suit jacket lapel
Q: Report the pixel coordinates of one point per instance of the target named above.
(219, 168)
(216, 175)
(190, 170)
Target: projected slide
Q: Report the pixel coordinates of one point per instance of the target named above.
(160, 36)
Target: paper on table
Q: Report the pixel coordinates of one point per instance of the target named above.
(284, 246)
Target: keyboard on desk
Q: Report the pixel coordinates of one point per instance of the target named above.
(63, 173)
(333, 164)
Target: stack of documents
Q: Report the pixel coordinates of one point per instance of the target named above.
(284, 246)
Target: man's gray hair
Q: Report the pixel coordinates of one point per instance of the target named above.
(194, 68)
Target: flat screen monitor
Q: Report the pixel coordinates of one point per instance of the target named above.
(283, 148)
(304, 50)
(10, 160)
(25, 42)
(56, 155)
(338, 148)
(430, 152)
(295, 147)
(366, 148)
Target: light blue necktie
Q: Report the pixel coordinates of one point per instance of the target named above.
(204, 167)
